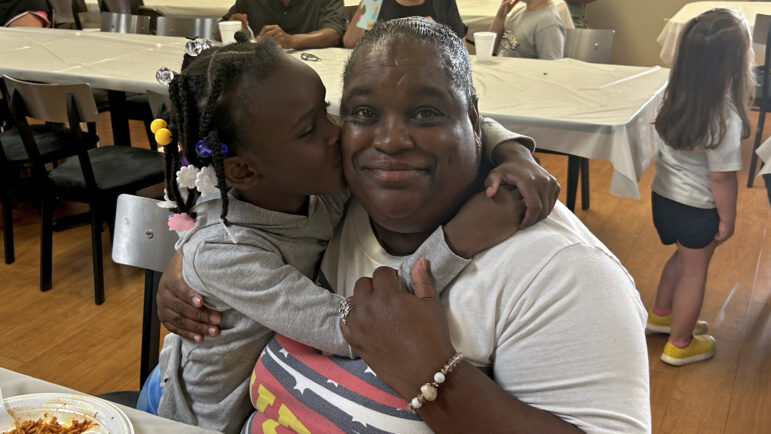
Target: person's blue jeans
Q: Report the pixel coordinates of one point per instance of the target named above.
(150, 395)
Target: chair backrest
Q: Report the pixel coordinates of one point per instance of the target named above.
(120, 6)
(142, 237)
(124, 23)
(48, 102)
(201, 27)
(158, 102)
(589, 45)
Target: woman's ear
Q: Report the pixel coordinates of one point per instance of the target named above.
(476, 120)
(239, 173)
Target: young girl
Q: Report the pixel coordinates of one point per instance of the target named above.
(536, 33)
(702, 121)
(252, 123)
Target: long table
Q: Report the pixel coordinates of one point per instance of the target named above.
(588, 110)
(670, 34)
(15, 384)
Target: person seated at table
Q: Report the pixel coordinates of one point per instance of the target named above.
(535, 33)
(442, 11)
(297, 24)
(25, 13)
(549, 321)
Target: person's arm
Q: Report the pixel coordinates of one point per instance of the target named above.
(545, 352)
(550, 41)
(500, 21)
(511, 154)
(321, 38)
(253, 279)
(352, 32)
(724, 189)
(237, 12)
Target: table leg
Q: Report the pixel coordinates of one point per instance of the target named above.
(574, 163)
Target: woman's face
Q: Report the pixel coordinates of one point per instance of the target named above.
(411, 140)
(289, 138)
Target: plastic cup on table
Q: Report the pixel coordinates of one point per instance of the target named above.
(228, 30)
(484, 43)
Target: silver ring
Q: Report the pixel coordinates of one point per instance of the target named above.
(346, 306)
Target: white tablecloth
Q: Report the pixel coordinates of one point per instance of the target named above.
(113, 61)
(670, 35)
(14, 384)
(594, 111)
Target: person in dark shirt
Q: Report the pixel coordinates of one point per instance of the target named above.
(297, 24)
(442, 11)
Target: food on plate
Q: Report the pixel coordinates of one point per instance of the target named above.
(46, 425)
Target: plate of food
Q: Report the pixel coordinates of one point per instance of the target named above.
(66, 413)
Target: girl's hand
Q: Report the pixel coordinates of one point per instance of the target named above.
(506, 7)
(404, 338)
(518, 168)
(485, 221)
(724, 232)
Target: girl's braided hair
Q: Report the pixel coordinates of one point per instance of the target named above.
(202, 108)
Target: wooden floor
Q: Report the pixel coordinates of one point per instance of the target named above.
(61, 336)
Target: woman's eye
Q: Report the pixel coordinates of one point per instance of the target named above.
(426, 113)
(309, 131)
(364, 112)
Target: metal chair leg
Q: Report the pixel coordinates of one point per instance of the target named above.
(8, 228)
(151, 327)
(758, 137)
(46, 242)
(96, 253)
(584, 183)
(574, 164)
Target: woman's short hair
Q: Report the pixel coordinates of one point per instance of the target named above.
(422, 32)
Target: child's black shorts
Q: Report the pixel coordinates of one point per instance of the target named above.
(692, 227)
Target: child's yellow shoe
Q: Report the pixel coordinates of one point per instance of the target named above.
(662, 324)
(702, 347)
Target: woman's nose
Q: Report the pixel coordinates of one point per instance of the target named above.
(392, 136)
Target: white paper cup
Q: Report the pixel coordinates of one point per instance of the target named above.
(484, 43)
(228, 30)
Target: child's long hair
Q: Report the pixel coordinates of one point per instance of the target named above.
(712, 72)
(203, 107)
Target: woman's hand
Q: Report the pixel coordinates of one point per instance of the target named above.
(181, 309)
(517, 167)
(485, 221)
(404, 338)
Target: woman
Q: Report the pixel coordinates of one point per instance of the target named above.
(550, 314)
(442, 11)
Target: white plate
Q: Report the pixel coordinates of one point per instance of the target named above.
(68, 407)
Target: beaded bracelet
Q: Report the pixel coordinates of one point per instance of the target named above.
(429, 391)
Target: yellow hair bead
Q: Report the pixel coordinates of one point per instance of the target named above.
(163, 137)
(157, 124)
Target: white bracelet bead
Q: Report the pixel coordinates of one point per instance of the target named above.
(415, 403)
(439, 378)
(429, 392)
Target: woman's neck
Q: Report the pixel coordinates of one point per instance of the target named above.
(275, 201)
(397, 243)
(534, 5)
